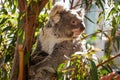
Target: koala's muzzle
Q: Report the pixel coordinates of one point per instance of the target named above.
(79, 28)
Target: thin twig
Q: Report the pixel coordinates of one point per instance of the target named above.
(99, 31)
(53, 2)
(71, 4)
(78, 3)
(108, 60)
(76, 6)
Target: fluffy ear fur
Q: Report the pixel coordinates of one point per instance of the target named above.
(57, 8)
(81, 12)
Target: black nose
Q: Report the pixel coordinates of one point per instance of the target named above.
(82, 27)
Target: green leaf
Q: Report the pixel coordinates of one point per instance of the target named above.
(93, 71)
(111, 12)
(89, 19)
(7, 57)
(99, 19)
(14, 9)
(3, 21)
(49, 5)
(61, 66)
(0, 39)
(6, 28)
(94, 37)
(26, 58)
(4, 11)
(101, 4)
(21, 36)
(21, 15)
(103, 1)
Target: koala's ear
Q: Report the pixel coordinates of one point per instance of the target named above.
(56, 10)
(81, 12)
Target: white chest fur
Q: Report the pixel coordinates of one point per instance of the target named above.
(48, 40)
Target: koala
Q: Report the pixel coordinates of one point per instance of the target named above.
(56, 42)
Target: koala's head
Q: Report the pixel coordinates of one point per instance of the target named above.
(66, 23)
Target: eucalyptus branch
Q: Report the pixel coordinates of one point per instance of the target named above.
(29, 25)
(21, 5)
(78, 3)
(72, 2)
(108, 60)
(95, 33)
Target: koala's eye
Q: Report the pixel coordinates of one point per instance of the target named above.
(73, 22)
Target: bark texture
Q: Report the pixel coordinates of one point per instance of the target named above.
(29, 25)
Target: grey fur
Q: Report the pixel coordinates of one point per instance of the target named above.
(55, 42)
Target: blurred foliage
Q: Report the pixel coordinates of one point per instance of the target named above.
(10, 22)
(76, 69)
(8, 31)
(79, 66)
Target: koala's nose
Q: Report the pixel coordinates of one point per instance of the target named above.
(82, 27)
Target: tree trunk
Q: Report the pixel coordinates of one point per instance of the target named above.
(29, 25)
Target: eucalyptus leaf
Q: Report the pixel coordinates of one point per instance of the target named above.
(89, 19)
(0, 39)
(93, 71)
(6, 28)
(26, 58)
(3, 21)
(14, 9)
(4, 11)
(101, 4)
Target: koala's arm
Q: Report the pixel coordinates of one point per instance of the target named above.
(61, 52)
(38, 55)
(50, 64)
